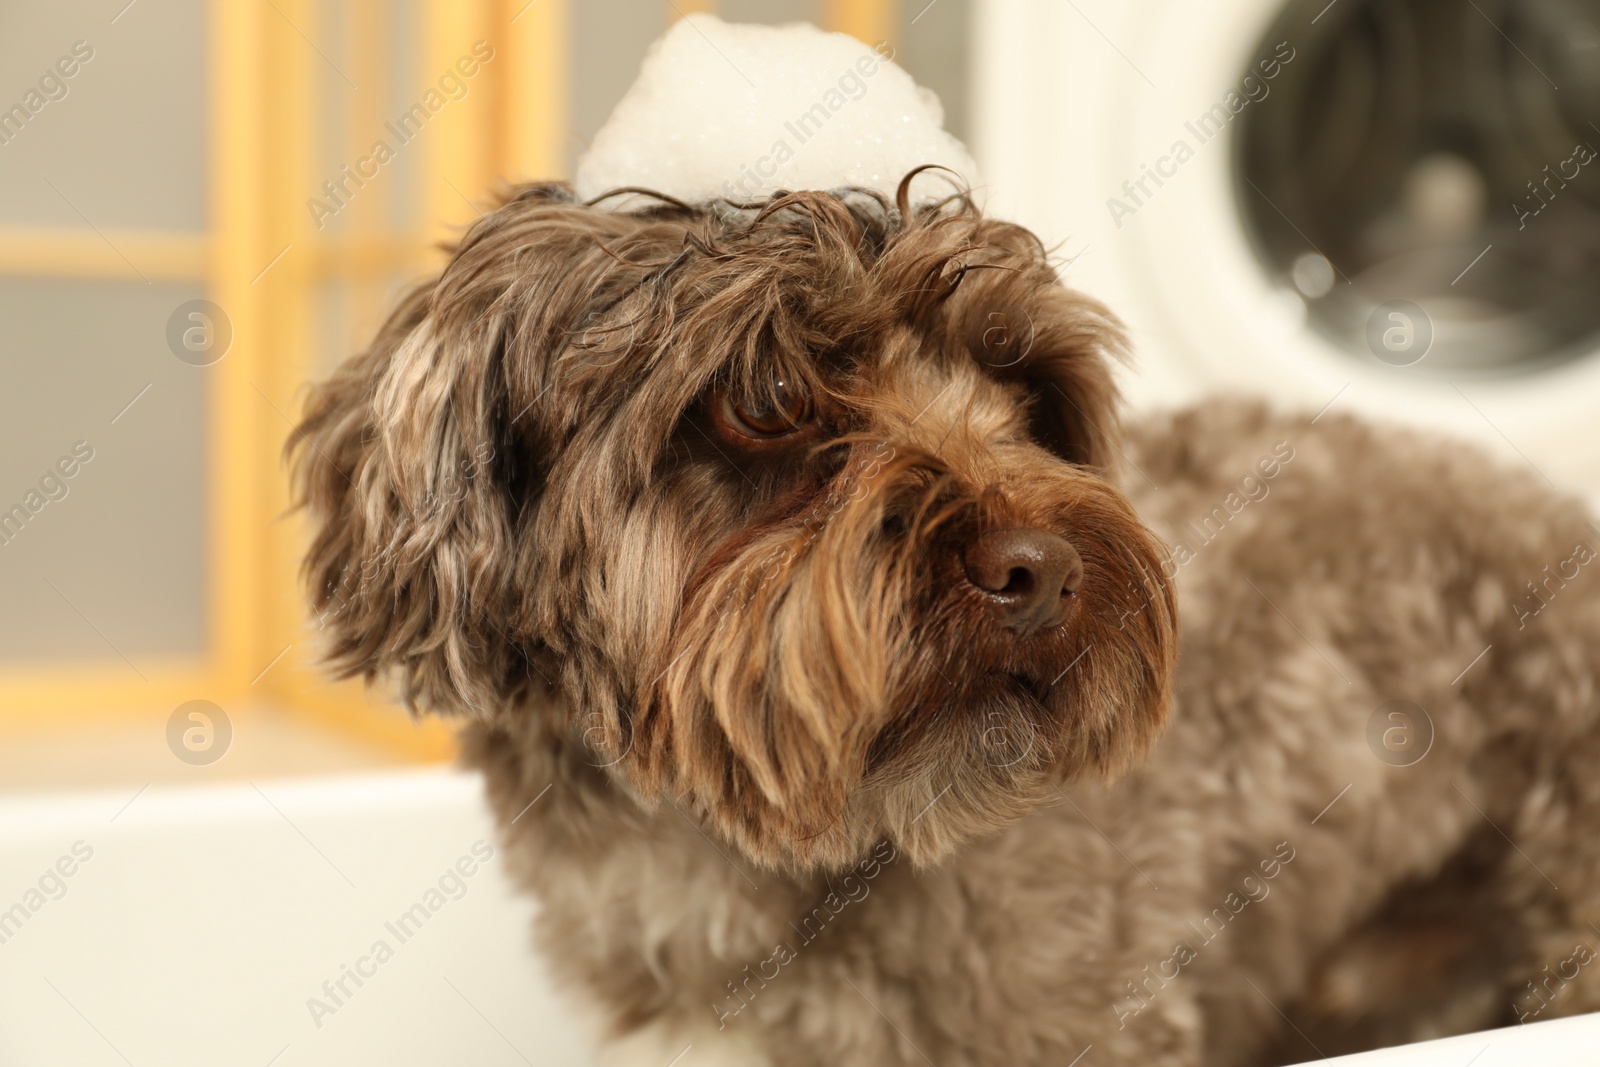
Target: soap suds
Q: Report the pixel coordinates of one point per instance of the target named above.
(740, 111)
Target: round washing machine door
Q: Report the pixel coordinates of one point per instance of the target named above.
(1390, 206)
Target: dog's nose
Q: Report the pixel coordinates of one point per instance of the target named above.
(1026, 575)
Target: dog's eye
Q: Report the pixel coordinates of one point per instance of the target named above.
(784, 409)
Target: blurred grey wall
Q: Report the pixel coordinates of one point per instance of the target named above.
(113, 555)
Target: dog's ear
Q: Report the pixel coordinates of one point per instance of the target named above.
(415, 477)
(396, 464)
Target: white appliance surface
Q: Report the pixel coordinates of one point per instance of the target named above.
(1073, 100)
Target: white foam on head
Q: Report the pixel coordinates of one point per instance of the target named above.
(740, 111)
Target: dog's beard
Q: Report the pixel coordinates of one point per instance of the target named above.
(833, 679)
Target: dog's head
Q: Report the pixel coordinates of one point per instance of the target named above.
(798, 514)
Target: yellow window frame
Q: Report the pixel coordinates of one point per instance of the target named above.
(262, 260)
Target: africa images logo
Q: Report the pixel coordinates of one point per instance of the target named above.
(453, 85)
(1252, 90)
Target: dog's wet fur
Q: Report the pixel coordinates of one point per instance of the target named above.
(714, 677)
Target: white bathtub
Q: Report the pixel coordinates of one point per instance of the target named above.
(207, 919)
(216, 925)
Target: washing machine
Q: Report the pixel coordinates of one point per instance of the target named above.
(1389, 207)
